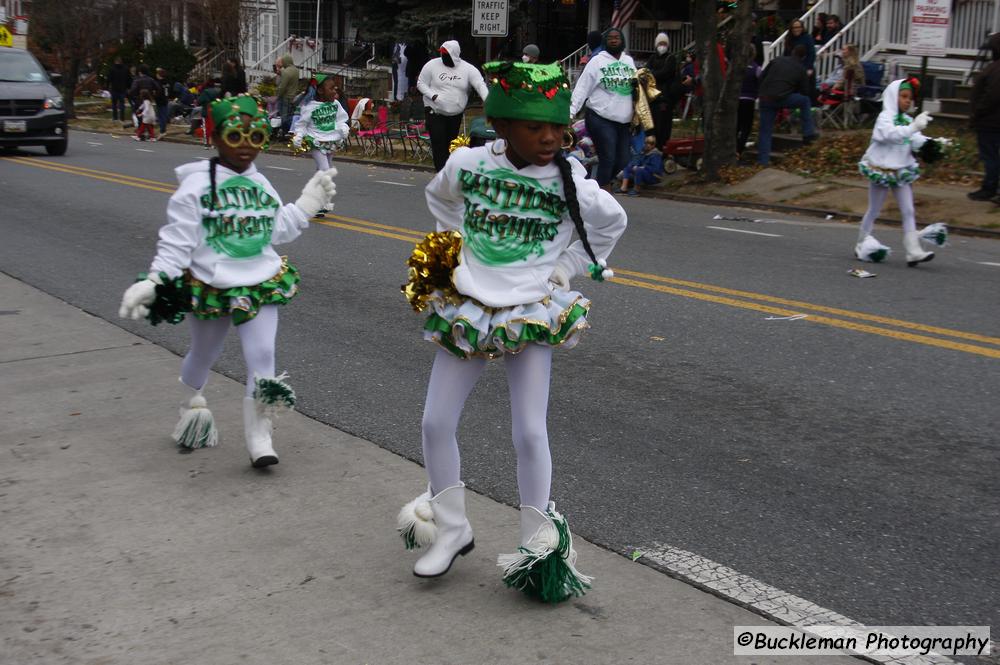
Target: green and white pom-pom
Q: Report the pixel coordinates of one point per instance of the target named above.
(273, 394)
(935, 234)
(872, 250)
(196, 428)
(599, 271)
(415, 523)
(546, 567)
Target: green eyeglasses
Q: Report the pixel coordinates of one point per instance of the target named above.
(255, 138)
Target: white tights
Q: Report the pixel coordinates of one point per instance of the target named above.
(208, 337)
(452, 379)
(876, 199)
(321, 158)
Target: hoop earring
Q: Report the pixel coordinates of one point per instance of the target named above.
(493, 147)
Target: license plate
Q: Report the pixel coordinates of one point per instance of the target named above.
(15, 125)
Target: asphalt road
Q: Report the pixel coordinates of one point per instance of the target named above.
(849, 457)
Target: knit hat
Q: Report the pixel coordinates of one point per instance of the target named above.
(527, 91)
(662, 38)
(532, 51)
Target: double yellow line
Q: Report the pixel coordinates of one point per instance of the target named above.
(909, 331)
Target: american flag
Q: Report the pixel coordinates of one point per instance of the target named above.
(623, 11)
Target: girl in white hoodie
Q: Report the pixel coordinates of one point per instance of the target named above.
(215, 260)
(509, 211)
(322, 124)
(890, 165)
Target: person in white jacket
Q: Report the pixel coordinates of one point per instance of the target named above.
(605, 89)
(526, 221)
(445, 83)
(215, 259)
(889, 165)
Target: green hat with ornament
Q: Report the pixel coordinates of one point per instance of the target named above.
(527, 91)
(234, 107)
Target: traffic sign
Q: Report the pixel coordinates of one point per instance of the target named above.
(6, 39)
(490, 18)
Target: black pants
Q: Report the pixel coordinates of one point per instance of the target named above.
(744, 123)
(443, 130)
(663, 119)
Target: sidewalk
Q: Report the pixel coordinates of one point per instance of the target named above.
(118, 550)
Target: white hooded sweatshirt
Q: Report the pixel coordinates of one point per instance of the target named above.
(232, 247)
(451, 85)
(605, 86)
(892, 144)
(515, 224)
(323, 121)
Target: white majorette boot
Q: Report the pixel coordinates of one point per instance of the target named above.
(914, 252)
(871, 250)
(196, 427)
(438, 523)
(544, 566)
(270, 395)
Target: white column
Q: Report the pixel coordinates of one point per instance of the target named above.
(996, 15)
(594, 19)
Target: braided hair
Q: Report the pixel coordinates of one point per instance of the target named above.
(212, 165)
(597, 268)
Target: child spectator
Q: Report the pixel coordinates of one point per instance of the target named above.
(644, 169)
(147, 117)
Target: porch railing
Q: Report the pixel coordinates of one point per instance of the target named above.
(864, 31)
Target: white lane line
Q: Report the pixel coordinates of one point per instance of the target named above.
(278, 168)
(144, 150)
(754, 233)
(764, 599)
(988, 263)
(390, 182)
(93, 143)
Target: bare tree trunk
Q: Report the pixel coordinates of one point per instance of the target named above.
(720, 100)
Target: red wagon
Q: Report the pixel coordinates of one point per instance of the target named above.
(686, 152)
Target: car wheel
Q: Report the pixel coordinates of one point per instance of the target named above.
(57, 149)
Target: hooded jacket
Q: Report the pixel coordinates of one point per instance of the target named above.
(323, 121)
(451, 85)
(233, 247)
(288, 82)
(894, 139)
(605, 86)
(985, 99)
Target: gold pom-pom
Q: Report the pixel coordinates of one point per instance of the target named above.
(462, 141)
(430, 266)
(303, 147)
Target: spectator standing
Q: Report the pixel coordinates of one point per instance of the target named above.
(400, 84)
(797, 36)
(594, 44)
(161, 97)
(147, 117)
(819, 30)
(445, 83)
(119, 81)
(234, 79)
(833, 26)
(985, 119)
(663, 65)
(784, 84)
(530, 53)
(749, 90)
(605, 88)
(143, 81)
(288, 88)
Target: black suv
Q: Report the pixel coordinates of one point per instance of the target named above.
(31, 108)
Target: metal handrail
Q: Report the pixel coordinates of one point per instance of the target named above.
(866, 28)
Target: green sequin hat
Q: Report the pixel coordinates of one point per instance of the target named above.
(527, 91)
(233, 107)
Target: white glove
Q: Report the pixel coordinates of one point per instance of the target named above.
(138, 297)
(297, 141)
(559, 279)
(317, 193)
(921, 122)
(944, 141)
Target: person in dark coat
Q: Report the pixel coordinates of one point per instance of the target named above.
(784, 84)
(161, 97)
(234, 79)
(119, 82)
(663, 65)
(143, 81)
(798, 36)
(985, 119)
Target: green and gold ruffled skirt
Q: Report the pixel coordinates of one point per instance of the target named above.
(243, 302)
(468, 328)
